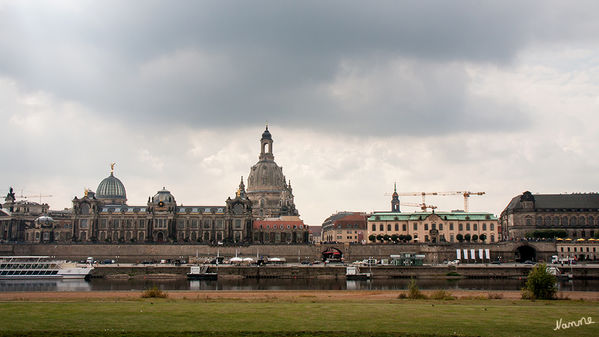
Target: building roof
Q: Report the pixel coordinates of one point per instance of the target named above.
(555, 201)
(449, 216)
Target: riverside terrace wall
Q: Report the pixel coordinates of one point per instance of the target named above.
(293, 253)
(338, 271)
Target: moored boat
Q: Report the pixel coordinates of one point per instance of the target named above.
(40, 267)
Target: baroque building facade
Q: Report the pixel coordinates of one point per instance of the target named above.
(432, 227)
(104, 216)
(577, 214)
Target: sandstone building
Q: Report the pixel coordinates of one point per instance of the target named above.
(105, 216)
(577, 214)
(270, 193)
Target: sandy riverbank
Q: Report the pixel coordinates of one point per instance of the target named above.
(329, 295)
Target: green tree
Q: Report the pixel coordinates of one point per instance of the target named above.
(474, 238)
(395, 238)
(386, 237)
(372, 237)
(540, 283)
(483, 237)
(408, 238)
(379, 237)
(467, 237)
(459, 237)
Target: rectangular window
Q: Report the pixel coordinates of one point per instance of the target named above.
(381, 227)
(468, 226)
(180, 223)
(484, 226)
(425, 226)
(237, 223)
(403, 227)
(374, 227)
(451, 238)
(461, 227)
(440, 226)
(492, 226)
(83, 223)
(415, 226)
(434, 226)
(451, 226)
(103, 223)
(117, 223)
(397, 227)
(194, 223)
(219, 224)
(388, 227)
(475, 226)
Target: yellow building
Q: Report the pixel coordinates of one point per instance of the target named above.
(433, 227)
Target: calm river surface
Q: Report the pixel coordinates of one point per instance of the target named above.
(281, 284)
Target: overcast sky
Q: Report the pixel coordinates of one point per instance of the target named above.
(500, 97)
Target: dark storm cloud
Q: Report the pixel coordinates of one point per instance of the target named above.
(220, 63)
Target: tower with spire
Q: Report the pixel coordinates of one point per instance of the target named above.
(395, 200)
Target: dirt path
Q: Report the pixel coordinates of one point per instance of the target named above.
(329, 295)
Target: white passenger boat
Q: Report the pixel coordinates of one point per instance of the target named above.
(40, 267)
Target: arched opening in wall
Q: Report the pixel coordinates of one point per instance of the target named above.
(160, 237)
(332, 254)
(525, 253)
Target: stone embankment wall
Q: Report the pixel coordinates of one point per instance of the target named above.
(338, 271)
(293, 253)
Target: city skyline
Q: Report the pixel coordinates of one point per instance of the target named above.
(500, 98)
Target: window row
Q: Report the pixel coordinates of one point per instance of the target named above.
(564, 221)
(461, 226)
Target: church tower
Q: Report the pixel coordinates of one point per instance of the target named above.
(267, 188)
(395, 200)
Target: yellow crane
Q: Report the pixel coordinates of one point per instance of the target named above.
(423, 207)
(465, 194)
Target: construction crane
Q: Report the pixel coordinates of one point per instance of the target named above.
(423, 207)
(36, 196)
(465, 194)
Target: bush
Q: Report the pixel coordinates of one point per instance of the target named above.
(540, 283)
(453, 273)
(154, 292)
(494, 296)
(460, 237)
(442, 295)
(372, 237)
(413, 291)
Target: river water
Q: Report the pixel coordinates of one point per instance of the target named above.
(281, 284)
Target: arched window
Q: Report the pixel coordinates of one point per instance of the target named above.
(564, 221)
(591, 220)
(539, 221)
(547, 221)
(581, 221)
(555, 221)
(573, 221)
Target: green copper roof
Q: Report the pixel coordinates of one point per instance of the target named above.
(449, 216)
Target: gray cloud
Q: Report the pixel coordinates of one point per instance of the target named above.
(217, 64)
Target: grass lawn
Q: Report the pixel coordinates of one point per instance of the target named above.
(301, 317)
